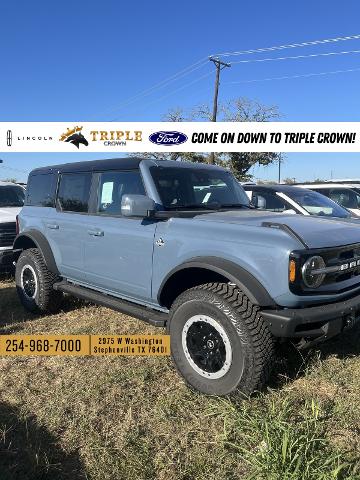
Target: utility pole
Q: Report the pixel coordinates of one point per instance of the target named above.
(219, 66)
(279, 177)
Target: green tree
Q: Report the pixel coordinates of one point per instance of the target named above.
(237, 110)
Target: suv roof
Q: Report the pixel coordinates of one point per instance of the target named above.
(323, 185)
(126, 163)
(3, 184)
(275, 188)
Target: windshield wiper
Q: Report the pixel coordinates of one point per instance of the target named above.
(5, 205)
(235, 205)
(195, 206)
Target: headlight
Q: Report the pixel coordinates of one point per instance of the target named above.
(311, 278)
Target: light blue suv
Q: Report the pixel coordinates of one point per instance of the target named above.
(178, 245)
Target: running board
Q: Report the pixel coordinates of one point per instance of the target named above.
(154, 317)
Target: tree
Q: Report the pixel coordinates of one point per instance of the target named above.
(10, 180)
(237, 110)
(289, 181)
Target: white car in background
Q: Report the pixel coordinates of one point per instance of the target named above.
(290, 199)
(346, 195)
(12, 197)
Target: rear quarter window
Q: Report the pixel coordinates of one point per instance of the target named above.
(74, 192)
(40, 190)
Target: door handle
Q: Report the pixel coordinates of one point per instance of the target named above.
(96, 233)
(52, 226)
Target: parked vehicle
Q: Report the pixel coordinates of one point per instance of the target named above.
(290, 199)
(346, 196)
(177, 244)
(11, 200)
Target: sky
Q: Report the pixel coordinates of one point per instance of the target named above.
(85, 61)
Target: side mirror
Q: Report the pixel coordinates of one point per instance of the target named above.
(137, 206)
(259, 202)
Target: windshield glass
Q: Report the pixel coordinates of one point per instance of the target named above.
(11, 196)
(198, 188)
(317, 204)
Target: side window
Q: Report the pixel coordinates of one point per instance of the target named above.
(74, 192)
(269, 201)
(323, 191)
(113, 185)
(345, 197)
(40, 191)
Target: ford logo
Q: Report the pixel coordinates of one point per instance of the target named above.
(168, 138)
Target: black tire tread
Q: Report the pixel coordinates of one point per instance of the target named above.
(49, 299)
(262, 343)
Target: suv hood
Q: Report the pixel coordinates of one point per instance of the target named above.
(316, 232)
(8, 214)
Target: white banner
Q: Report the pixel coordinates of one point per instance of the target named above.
(179, 137)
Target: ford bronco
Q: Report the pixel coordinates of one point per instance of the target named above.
(178, 245)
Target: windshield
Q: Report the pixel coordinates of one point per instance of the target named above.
(11, 196)
(198, 188)
(317, 204)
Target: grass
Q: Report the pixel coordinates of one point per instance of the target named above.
(133, 418)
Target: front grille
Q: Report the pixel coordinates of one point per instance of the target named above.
(7, 234)
(342, 280)
(348, 256)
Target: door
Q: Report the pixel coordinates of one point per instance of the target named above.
(118, 250)
(66, 225)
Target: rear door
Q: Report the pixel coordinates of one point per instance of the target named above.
(67, 224)
(118, 250)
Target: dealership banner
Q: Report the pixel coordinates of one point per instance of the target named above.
(179, 137)
(83, 345)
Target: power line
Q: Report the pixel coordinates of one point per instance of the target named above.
(285, 77)
(291, 45)
(296, 57)
(4, 167)
(172, 93)
(202, 62)
(163, 83)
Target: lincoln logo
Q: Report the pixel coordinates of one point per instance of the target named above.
(74, 136)
(168, 138)
(9, 138)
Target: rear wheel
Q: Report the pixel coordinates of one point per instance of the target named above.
(34, 283)
(219, 341)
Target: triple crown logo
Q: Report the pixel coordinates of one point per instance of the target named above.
(74, 136)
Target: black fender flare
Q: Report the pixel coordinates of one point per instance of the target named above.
(236, 274)
(21, 242)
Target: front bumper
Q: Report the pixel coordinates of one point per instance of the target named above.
(320, 322)
(6, 259)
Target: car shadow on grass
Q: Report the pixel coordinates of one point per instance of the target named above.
(13, 314)
(29, 451)
(292, 363)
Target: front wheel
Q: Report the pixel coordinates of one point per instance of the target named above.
(219, 341)
(34, 283)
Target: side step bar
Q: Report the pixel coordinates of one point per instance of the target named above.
(154, 317)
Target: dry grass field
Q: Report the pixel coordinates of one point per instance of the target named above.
(133, 417)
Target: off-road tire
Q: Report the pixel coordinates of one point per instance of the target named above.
(252, 345)
(45, 298)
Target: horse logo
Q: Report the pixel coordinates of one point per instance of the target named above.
(74, 136)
